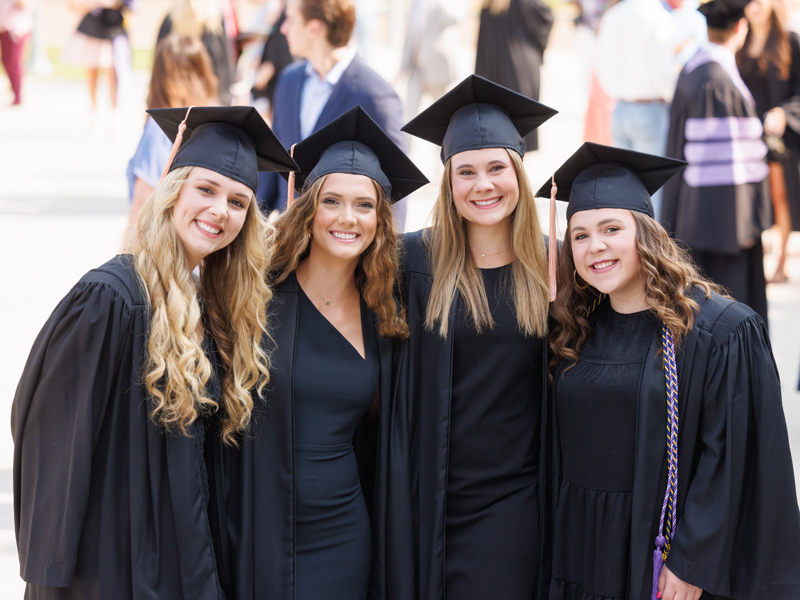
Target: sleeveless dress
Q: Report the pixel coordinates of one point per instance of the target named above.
(492, 515)
(333, 389)
(596, 405)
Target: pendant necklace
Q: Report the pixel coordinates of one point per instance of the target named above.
(320, 297)
(496, 253)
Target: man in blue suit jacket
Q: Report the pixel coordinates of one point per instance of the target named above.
(330, 80)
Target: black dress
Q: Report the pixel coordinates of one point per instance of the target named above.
(333, 389)
(492, 518)
(596, 413)
(105, 504)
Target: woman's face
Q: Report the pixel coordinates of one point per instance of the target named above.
(606, 257)
(485, 188)
(347, 217)
(209, 213)
(758, 12)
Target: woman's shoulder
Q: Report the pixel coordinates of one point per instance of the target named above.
(720, 316)
(118, 277)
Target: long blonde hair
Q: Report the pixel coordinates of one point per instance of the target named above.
(377, 271)
(234, 293)
(669, 275)
(453, 266)
(195, 17)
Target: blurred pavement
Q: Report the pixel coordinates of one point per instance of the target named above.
(63, 199)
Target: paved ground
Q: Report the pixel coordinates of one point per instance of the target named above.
(63, 200)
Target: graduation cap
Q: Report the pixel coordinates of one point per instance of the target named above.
(598, 176)
(722, 14)
(230, 140)
(354, 143)
(479, 113)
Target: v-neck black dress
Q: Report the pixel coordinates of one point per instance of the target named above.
(333, 389)
(492, 519)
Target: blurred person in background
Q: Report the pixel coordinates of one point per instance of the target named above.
(769, 63)
(182, 76)
(100, 42)
(425, 62)
(204, 19)
(16, 24)
(330, 79)
(511, 41)
(718, 207)
(636, 67)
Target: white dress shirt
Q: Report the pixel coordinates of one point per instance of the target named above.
(317, 91)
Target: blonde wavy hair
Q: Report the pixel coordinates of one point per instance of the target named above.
(377, 271)
(669, 275)
(230, 301)
(453, 266)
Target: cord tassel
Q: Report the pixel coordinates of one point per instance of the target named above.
(658, 564)
(552, 254)
(176, 145)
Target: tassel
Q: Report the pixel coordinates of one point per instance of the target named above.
(176, 145)
(290, 181)
(658, 563)
(552, 253)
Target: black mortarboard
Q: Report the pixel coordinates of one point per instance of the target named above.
(479, 113)
(354, 143)
(230, 140)
(599, 176)
(722, 14)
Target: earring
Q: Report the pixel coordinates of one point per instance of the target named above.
(585, 286)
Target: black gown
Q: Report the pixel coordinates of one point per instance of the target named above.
(333, 388)
(596, 414)
(262, 499)
(738, 525)
(770, 91)
(105, 504)
(431, 474)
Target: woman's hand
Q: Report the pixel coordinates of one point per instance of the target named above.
(775, 122)
(672, 588)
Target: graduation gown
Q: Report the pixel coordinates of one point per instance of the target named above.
(416, 480)
(738, 526)
(105, 505)
(510, 49)
(769, 91)
(253, 514)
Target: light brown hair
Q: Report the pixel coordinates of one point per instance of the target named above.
(338, 16)
(182, 74)
(378, 267)
(777, 50)
(453, 266)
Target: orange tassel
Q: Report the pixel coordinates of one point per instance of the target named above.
(290, 182)
(552, 253)
(176, 145)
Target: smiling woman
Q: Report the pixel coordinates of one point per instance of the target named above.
(137, 361)
(300, 491)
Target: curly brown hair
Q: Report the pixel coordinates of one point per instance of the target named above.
(669, 276)
(377, 271)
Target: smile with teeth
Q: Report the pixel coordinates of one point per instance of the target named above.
(340, 235)
(603, 265)
(488, 202)
(208, 228)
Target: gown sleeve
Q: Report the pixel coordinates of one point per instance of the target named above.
(739, 535)
(56, 418)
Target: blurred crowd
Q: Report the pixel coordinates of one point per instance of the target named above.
(299, 79)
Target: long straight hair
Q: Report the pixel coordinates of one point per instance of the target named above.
(777, 51)
(453, 266)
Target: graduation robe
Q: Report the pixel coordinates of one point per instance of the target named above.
(105, 505)
(253, 513)
(416, 481)
(738, 527)
(511, 48)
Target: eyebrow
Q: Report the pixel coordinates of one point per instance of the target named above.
(494, 161)
(324, 193)
(600, 224)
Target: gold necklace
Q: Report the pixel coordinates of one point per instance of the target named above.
(496, 253)
(320, 297)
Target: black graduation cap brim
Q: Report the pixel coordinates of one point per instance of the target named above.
(225, 155)
(722, 14)
(598, 176)
(355, 143)
(510, 117)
